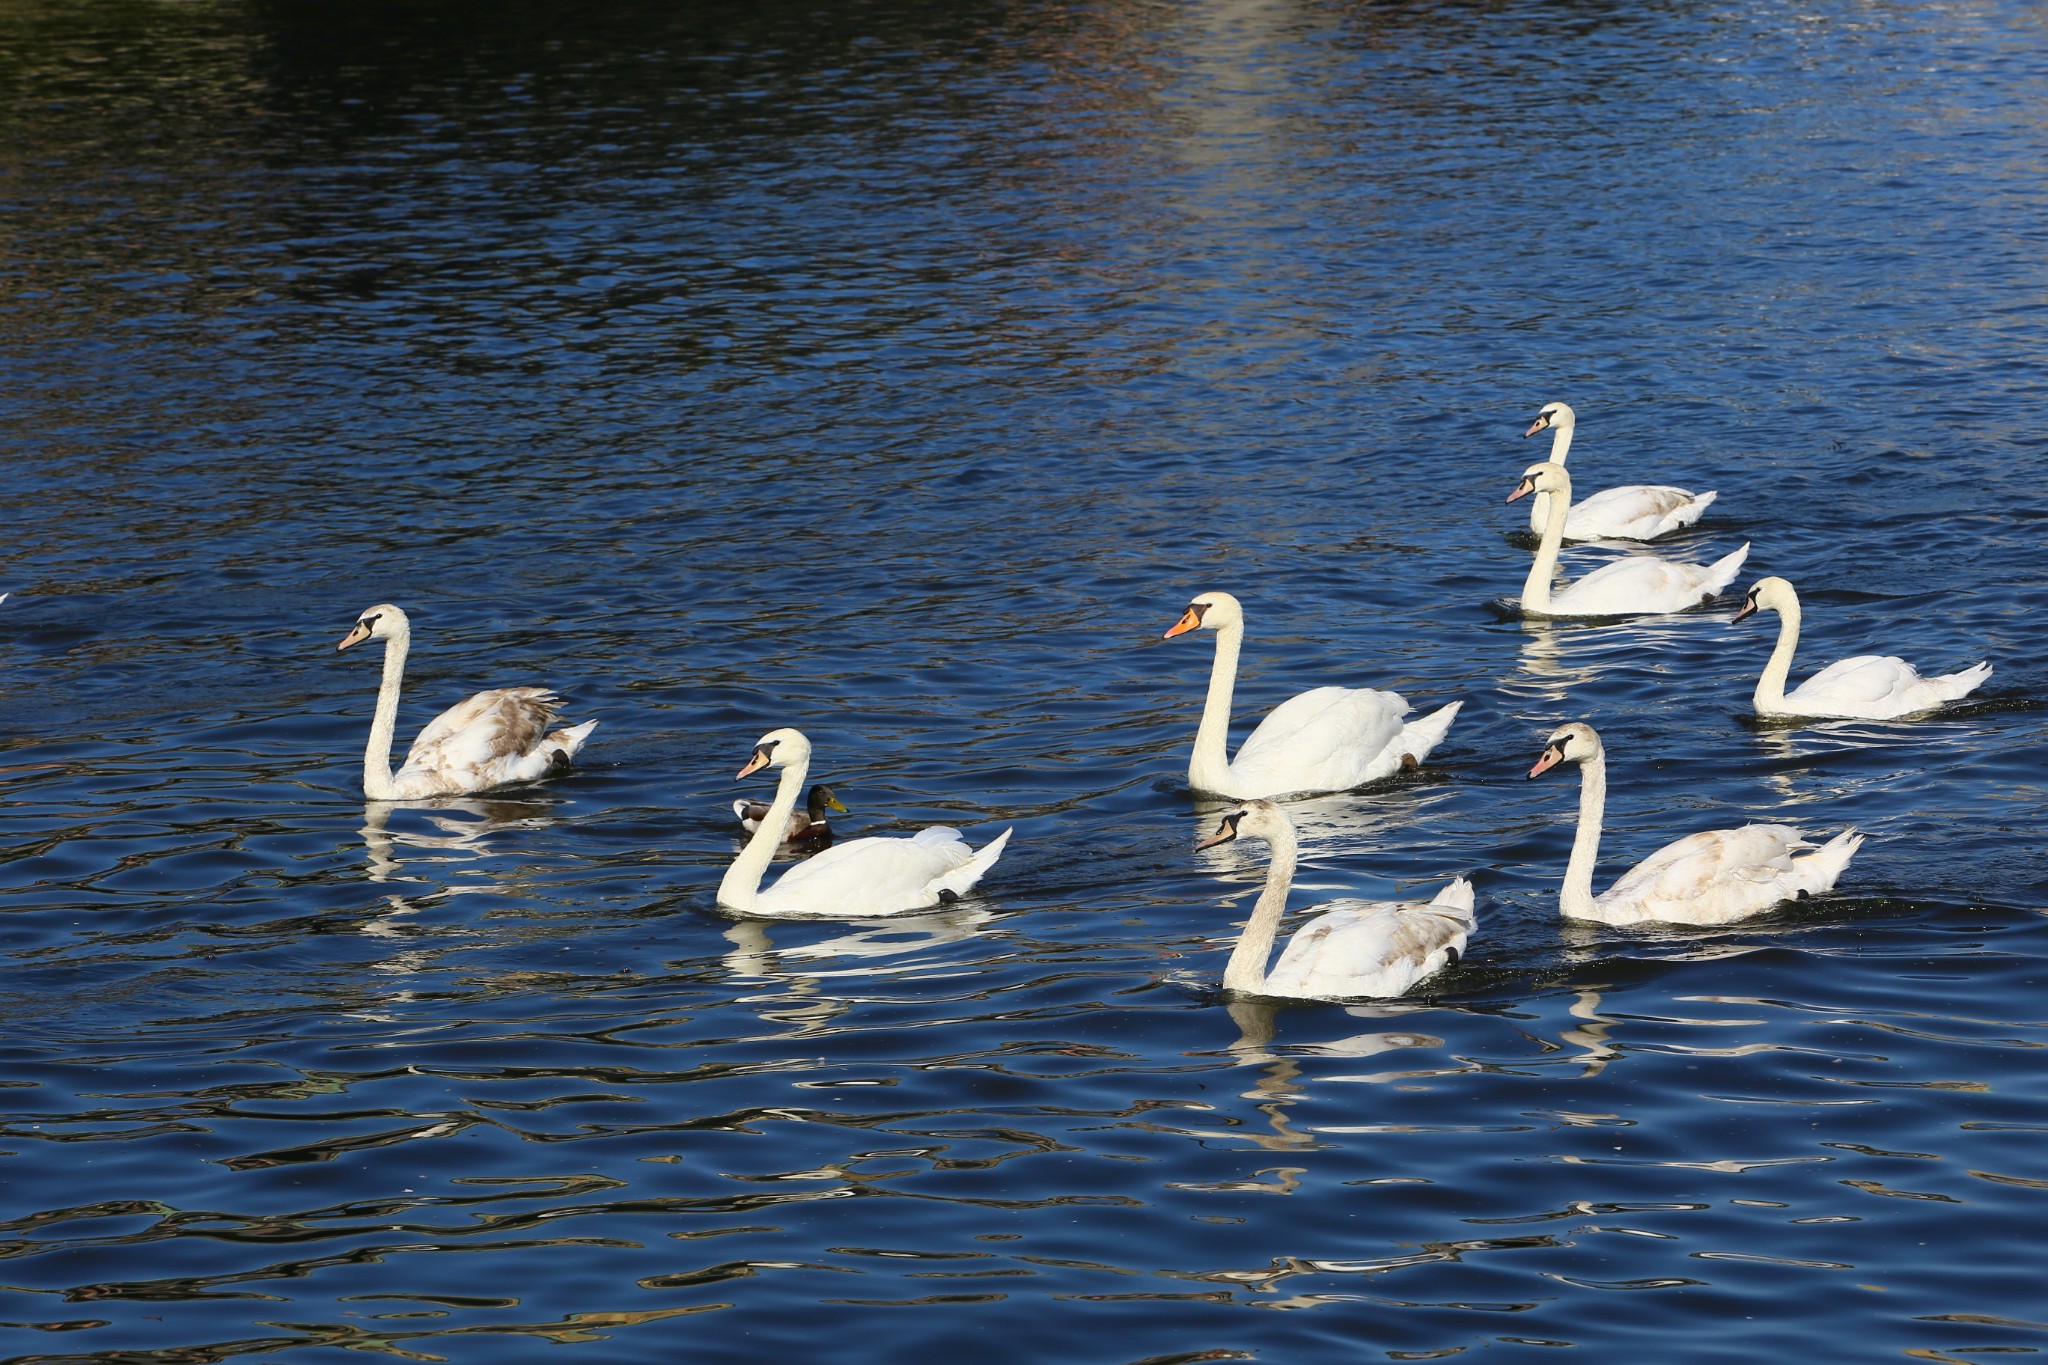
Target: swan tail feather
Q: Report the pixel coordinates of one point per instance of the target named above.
(1686, 514)
(1457, 898)
(571, 738)
(1418, 737)
(961, 879)
(1961, 684)
(1722, 571)
(1819, 870)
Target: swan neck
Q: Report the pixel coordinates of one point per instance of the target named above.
(377, 780)
(1542, 569)
(1539, 506)
(1246, 971)
(741, 887)
(1770, 688)
(1209, 764)
(1576, 898)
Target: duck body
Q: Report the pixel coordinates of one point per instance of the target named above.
(809, 825)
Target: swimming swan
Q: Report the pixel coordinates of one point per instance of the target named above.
(1867, 687)
(861, 877)
(1627, 587)
(1326, 740)
(1636, 511)
(494, 738)
(1353, 948)
(1713, 877)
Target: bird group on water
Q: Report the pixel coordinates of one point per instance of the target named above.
(1328, 739)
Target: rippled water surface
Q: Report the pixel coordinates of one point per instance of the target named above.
(898, 372)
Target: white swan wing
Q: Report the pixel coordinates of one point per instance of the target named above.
(495, 737)
(1326, 739)
(1644, 583)
(1639, 511)
(1374, 948)
(1721, 875)
(880, 876)
(1877, 687)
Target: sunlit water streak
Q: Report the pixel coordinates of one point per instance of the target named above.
(899, 375)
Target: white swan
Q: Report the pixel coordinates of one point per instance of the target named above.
(1713, 877)
(1867, 687)
(809, 825)
(855, 879)
(1330, 739)
(1636, 511)
(1639, 583)
(1353, 948)
(494, 738)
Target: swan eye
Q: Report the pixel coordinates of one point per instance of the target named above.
(369, 621)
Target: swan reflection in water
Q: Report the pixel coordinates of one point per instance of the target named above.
(459, 835)
(801, 1002)
(1807, 759)
(1559, 658)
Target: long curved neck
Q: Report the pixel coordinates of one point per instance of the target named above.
(1209, 764)
(1770, 688)
(1246, 970)
(1576, 897)
(1539, 506)
(1536, 587)
(377, 784)
(742, 884)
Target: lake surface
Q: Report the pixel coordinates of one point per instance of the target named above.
(898, 373)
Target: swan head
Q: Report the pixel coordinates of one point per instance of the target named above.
(1543, 477)
(1557, 415)
(1769, 594)
(1208, 611)
(1574, 743)
(380, 622)
(1252, 820)
(777, 749)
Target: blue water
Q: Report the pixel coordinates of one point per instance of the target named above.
(898, 373)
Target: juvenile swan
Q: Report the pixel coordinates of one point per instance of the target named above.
(1713, 877)
(492, 739)
(853, 880)
(1636, 511)
(1867, 687)
(1327, 740)
(1627, 587)
(1354, 948)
